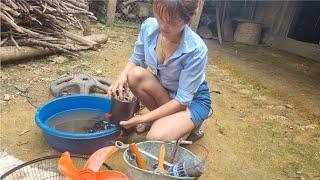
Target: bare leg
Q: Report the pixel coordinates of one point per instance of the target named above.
(152, 94)
(177, 125)
(147, 87)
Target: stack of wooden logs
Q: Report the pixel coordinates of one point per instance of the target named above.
(45, 24)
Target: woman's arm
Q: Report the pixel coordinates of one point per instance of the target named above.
(121, 80)
(130, 65)
(167, 109)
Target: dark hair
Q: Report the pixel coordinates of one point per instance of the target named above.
(170, 9)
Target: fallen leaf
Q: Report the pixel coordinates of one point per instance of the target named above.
(6, 97)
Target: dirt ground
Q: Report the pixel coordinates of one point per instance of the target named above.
(266, 119)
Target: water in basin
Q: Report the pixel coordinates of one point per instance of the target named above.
(79, 121)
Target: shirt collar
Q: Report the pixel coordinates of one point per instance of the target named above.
(187, 43)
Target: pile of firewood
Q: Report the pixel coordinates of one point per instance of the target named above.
(44, 23)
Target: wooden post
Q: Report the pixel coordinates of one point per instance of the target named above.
(218, 21)
(85, 22)
(196, 19)
(110, 11)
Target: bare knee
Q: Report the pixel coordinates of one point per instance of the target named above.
(156, 136)
(135, 76)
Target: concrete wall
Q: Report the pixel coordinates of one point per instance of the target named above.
(304, 49)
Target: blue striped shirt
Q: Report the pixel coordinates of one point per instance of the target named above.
(184, 71)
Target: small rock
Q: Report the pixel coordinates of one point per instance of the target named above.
(4, 76)
(62, 76)
(60, 59)
(289, 106)
(98, 71)
(244, 91)
(291, 127)
(6, 97)
(22, 88)
(46, 69)
(260, 98)
(22, 65)
(85, 64)
(298, 172)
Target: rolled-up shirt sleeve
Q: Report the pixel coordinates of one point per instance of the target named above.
(138, 56)
(192, 75)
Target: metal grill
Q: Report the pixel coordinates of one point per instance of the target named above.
(133, 10)
(43, 168)
(129, 13)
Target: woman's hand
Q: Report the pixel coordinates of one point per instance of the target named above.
(137, 119)
(118, 87)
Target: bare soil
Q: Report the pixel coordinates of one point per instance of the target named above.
(266, 103)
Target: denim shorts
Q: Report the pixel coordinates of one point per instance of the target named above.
(200, 105)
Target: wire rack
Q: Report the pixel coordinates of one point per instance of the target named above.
(44, 168)
(128, 13)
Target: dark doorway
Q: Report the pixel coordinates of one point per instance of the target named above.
(306, 24)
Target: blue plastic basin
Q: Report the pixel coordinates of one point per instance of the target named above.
(85, 143)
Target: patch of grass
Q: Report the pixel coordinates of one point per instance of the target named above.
(102, 21)
(100, 25)
(316, 135)
(133, 24)
(301, 159)
(277, 146)
(64, 69)
(47, 58)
